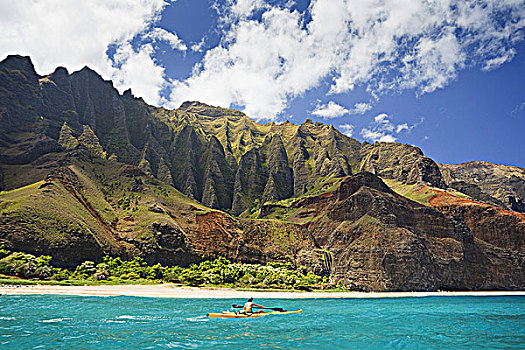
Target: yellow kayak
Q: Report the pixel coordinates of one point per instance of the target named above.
(229, 314)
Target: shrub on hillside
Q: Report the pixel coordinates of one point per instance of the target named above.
(27, 266)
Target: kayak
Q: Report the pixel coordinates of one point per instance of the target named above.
(229, 314)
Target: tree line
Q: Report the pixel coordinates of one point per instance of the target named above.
(217, 272)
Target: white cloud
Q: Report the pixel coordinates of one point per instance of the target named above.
(139, 70)
(159, 34)
(347, 129)
(381, 119)
(361, 108)
(78, 33)
(257, 67)
(383, 45)
(330, 110)
(518, 111)
(402, 127)
(382, 129)
(198, 47)
(245, 8)
(377, 136)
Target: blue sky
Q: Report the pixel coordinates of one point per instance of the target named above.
(446, 76)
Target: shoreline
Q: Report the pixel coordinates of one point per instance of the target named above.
(171, 291)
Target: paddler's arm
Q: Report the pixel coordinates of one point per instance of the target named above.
(259, 306)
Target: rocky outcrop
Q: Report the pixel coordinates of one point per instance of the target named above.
(404, 163)
(66, 138)
(250, 181)
(89, 140)
(499, 227)
(379, 240)
(169, 245)
(218, 177)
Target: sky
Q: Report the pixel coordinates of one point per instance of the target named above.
(444, 75)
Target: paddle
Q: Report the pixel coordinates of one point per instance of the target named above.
(280, 309)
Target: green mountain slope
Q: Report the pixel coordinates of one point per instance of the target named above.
(218, 156)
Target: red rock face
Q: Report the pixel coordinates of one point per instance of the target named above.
(252, 241)
(493, 225)
(217, 234)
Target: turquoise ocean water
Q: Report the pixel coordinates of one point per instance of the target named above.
(74, 322)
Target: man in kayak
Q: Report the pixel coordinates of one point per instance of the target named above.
(248, 307)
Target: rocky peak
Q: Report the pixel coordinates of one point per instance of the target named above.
(60, 73)
(403, 162)
(89, 72)
(352, 184)
(207, 110)
(18, 62)
(66, 138)
(90, 141)
(128, 94)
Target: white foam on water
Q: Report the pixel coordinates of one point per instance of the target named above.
(142, 318)
(73, 337)
(173, 345)
(126, 317)
(54, 320)
(198, 319)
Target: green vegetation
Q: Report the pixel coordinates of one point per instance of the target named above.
(415, 192)
(327, 185)
(421, 194)
(30, 269)
(284, 209)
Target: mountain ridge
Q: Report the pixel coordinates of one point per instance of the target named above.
(144, 135)
(173, 186)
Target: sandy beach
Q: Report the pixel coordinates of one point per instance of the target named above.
(172, 291)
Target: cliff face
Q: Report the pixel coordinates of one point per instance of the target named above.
(86, 172)
(500, 185)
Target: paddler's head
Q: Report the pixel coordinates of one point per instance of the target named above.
(250, 300)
